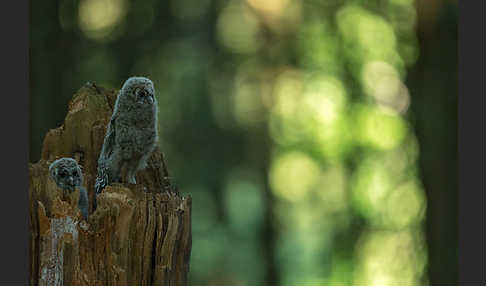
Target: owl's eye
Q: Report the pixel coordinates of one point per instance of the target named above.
(62, 174)
(75, 173)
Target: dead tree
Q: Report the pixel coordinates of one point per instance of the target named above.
(138, 235)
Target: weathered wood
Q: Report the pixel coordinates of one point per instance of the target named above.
(138, 235)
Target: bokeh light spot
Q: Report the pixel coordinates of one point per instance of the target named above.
(248, 103)
(318, 47)
(269, 6)
(389, 258)
(371, 184)
(379, 127)
(368, 36)
(293, 175)
(312, 110)
(382, 81)
(324, 100)
(238, 29)
(284, 126)
(332, 189)
(405, 205)
(98, 18)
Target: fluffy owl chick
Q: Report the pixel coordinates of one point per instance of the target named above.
(131, 135)
(68, 176)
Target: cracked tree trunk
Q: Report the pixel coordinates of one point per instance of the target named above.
(138, 235)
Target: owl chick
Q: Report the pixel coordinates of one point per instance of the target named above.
(131, 135)
(68, 176)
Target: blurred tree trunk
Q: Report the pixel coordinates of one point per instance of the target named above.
(433, 86)
(138, 235)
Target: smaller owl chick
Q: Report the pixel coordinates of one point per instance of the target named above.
(68, 176)
(131, 134)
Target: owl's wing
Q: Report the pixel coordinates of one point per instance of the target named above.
(109, 142)
(108, 145)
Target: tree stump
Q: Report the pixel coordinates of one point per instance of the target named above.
(138, 235)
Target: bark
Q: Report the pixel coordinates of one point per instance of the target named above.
(139, 234)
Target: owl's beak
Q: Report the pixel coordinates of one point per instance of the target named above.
(71, 181)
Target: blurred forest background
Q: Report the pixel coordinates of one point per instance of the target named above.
(317, 138)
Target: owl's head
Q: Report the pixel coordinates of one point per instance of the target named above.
(66, 173)
(140, 90)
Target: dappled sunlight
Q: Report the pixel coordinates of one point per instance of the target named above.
(310, 109)
(284, 126)
(247, 103)
(318, 47)
(282, 16)
(98, 18)
(308, 224)
(293, 175)
(397, 161)
(332, 190)
(324, 100)
(371, 184)
(269, 6)
(382, 81)
(324, 119)
(248, 98)
(403, 17)
(370, 36)
(405, 206)
(385, 193)
(306, 218)
(379, 128)
(238, 28)
(389, 258)
(334, 141)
